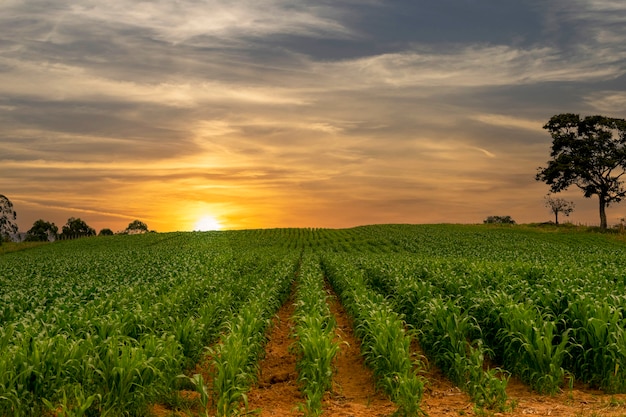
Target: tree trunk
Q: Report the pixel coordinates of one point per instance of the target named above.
(556, 218)
(602, 212)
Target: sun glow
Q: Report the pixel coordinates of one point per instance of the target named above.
(207, 223)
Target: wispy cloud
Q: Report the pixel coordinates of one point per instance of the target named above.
(475, 66)
(610, 102)
(510, 122)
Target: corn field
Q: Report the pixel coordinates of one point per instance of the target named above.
(108, 326)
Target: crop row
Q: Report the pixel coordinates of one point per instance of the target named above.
(547, 333)
(384, 342)
(115, 348)
(315, 334)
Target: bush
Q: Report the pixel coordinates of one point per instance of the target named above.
(499, 220)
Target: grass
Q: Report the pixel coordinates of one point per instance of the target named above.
(8, 247)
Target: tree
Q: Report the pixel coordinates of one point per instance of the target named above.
(105, 232)
(499, 220)
(589, 153)
(42, 231)
(136, 226)
(8, 218)
(75, 227)
(559, 205)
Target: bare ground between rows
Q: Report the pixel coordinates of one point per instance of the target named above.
(354, 393)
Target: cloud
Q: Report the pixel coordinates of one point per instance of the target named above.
(473, 66)
(510, 122)
(608, 102)
(185, 21)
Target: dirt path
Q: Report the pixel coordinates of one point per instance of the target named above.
(579, 402)
(276, 393)
(354, 393)
(445, 399)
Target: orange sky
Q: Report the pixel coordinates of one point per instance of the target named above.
(285, 114)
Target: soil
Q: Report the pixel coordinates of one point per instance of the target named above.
(354, 393)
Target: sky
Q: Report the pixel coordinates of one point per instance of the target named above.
(193, 114)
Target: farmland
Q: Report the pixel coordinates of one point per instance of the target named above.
(114, 325)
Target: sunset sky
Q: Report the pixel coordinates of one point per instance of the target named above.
(290, 113)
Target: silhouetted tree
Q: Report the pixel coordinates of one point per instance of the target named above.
(559, 205)
(589, 153)
(8, 218)
(105, 232)
(75, 227)
(137, 226)
(42, 231)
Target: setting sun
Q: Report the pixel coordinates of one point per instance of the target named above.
(207, 223)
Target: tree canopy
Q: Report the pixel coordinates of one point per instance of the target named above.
(137, 226)
(589, 153)
(42, 231)
(8, 218)
(75, 227)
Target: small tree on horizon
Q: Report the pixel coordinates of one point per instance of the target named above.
(42, 231)
(76, 227)
(136, 226)
(559, 205)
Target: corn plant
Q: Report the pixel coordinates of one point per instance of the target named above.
(599, 357)
(198, 382)
(452, 337)
(314, 332)
(447, 333)
(532, 347)
(384, 341)
(77, 405)
(235, 358)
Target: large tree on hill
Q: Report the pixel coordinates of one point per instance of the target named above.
(8, 217)
(589, 153)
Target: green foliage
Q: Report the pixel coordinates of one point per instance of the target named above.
(384, 341)
(42, 231)
(315, 333)
(235, 358)
(106, 326)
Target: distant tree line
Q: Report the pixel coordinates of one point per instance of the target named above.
(43, 231)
